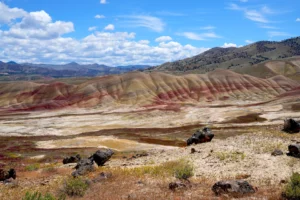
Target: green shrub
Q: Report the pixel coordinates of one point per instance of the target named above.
(75, 187)
(292, 189)
(184, 170)
(32, 167)
(38, 196)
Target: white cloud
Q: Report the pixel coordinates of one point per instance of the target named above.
(267, 26)
(226, 45)
(278, 34)
(92, 28)
(298, 20)
(39, 25)
(256, 15)
(103, 1)
(145, 21)
(9, 14)
(99, 16)
(196, 36)
(39, 39)
(119, 48)
(207, 28)
(109, 27)
(163, 39)
(249, 41)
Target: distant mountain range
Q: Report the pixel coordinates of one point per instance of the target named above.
(234, 58)
(28, 71)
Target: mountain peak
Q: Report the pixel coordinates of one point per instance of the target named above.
(72, 63)
(12, 63)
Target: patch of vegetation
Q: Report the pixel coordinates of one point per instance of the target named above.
(292, 189)
(39, 196)
(232, 156)
(181, 169)
(184, 170)
(269, 147)
(13, 155)
(32, 167)
(75, 187)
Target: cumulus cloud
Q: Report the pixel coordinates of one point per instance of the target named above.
(38, 25)
(99, 16)
(92, 28)
(226, 45)
(201, 36)
(109, 27)
(249, 41)
(9, 14)
(150, 22)
(103, 1)
(37, 38)
(163, 39)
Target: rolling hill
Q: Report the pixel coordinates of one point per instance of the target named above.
(234, 58)
(144, 90)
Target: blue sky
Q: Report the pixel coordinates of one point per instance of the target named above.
(116, 32)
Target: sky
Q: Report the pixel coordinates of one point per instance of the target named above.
(132, 32)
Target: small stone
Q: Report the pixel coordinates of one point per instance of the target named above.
(176, 185)
(193, 150)
(233, 187)
(277, 152)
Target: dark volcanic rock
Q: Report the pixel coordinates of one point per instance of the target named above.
(83, 167)
(200, 137)
(87, 165)
(102, 156)
(291, 126)
(4, 175)
(277, 152)
(294, 150)
(72, 159)
(232, 187)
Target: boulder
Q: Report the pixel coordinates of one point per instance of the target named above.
(102, 156)
(291, 126)
(83, 167)
(87, 165)
(72, 159)
(200, 137)
(277, 152)
(294, 150)
(233, 187)
(4, 175)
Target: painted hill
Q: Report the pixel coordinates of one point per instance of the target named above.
(234, 58)
(144, 90)
(289, 67)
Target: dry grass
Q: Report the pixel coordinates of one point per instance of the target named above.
(230, 156)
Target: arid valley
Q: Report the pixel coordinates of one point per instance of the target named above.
(146, 118)
(149, 100)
